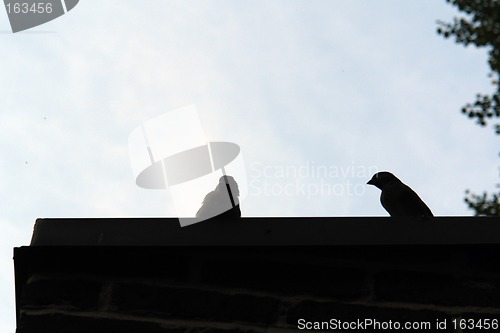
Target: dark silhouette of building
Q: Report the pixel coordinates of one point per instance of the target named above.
(262, 275)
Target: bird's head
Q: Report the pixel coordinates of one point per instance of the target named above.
(232, 185)
(382, 179)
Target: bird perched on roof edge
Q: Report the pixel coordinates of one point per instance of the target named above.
(397, 198)
(223, 201)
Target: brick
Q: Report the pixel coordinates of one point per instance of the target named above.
(189, 303)
(219, 330)
(384, 254)
(76, 294)
(60, 323)
(314, 311)
(440, 289)
(487, 262)
(158, 264)
(287, 278)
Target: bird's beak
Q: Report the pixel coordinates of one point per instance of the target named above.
(370, 182)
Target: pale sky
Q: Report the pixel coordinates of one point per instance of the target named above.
(318, 95)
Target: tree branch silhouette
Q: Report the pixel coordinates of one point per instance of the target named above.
(480, 27)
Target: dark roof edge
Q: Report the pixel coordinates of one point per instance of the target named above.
(266, 231)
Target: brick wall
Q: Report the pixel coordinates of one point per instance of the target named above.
(216, 289)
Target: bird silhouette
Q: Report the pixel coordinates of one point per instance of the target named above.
(397, 198)
(223, 201)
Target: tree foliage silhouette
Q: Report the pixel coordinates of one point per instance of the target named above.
(480, 27)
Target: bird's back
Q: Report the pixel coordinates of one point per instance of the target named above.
(218, 204)
(400, 200)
